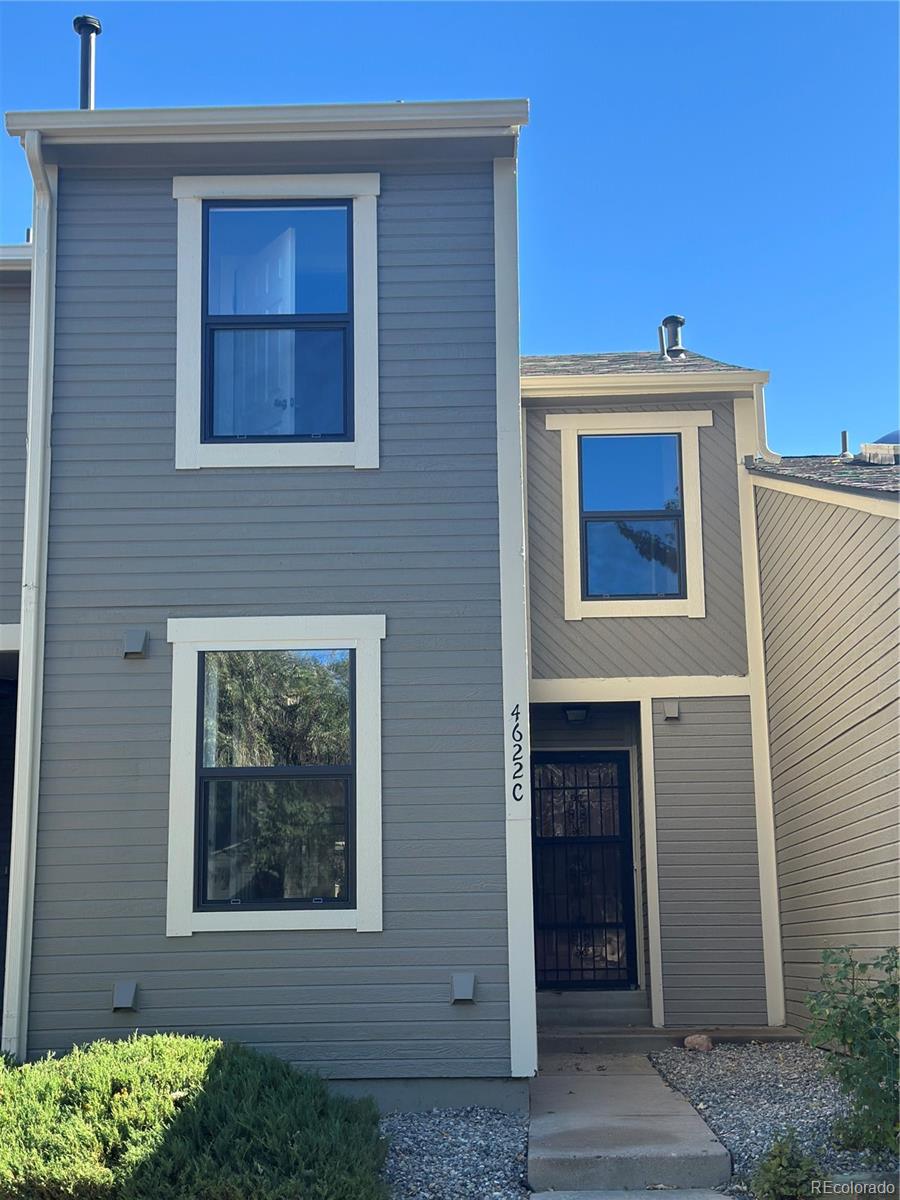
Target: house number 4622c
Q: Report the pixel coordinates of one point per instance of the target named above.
(518, 757)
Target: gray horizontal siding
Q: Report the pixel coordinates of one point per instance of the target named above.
(710, 919)
(829, 591)
(14, 312)
(132, 543)
(610, 647)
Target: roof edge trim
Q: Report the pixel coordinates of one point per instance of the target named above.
(878, 501)
(638, 383)
(16, 258)
(308, 122)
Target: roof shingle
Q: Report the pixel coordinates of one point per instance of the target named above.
(827, 471)
(631, 362)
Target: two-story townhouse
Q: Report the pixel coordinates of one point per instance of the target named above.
(274, 598)
(316, 749)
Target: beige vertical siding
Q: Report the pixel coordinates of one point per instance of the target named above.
(829, 592)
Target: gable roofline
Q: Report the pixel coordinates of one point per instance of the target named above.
(640, 383)
(831, 474)
(274, 123)
(16, 258)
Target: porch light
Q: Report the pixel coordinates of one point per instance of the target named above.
(576, 716)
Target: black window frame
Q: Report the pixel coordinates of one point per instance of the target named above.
(345, 772)
(211, 323)
(586, 516)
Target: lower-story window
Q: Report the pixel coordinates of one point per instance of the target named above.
(275, 792)
(275, 778)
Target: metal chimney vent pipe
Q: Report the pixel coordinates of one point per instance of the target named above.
(87, 29)
(672, 326)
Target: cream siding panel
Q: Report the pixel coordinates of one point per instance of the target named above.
(710, 920)
(829, 593)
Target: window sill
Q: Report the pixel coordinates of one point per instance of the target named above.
(254, 922)
(633, 608)
(357, 453)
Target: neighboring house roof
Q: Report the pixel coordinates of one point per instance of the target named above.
(832, 472)
(628, 363)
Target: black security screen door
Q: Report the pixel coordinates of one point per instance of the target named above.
(583, 871)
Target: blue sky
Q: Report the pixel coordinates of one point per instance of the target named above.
(733, 162)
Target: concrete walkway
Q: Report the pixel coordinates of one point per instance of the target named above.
(610, 1122)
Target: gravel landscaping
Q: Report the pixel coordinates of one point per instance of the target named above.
(456, 1154)
(749, 1094)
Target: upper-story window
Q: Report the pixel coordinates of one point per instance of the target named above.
(632, 533)
(278, 325)
(277, 321)
(632, 516)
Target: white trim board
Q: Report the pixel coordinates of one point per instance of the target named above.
(687, 424)
(878, 506)
(27, 769)
(654, 928)
(190, 191)
(747, 440)
(10, 637)
(514, 630)
(635, 687)
(639, 383)
(189, 636)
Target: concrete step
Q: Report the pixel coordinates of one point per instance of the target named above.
(582, 1010)
(643, 1039)
(575, 998)
(636, 1194)
(612, 1123)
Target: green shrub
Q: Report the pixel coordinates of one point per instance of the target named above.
(855, 1015)
(785, 1173)
(180, 1118)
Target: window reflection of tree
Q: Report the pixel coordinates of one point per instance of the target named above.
(650, 546)
(287, 838)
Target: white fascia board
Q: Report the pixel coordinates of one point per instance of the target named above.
(646, 383)
(16, 258)
(312, 122)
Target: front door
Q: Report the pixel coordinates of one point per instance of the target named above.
(583, 870)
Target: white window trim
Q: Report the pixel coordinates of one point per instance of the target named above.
(190, 191)
(688, 425)
(189, 636)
